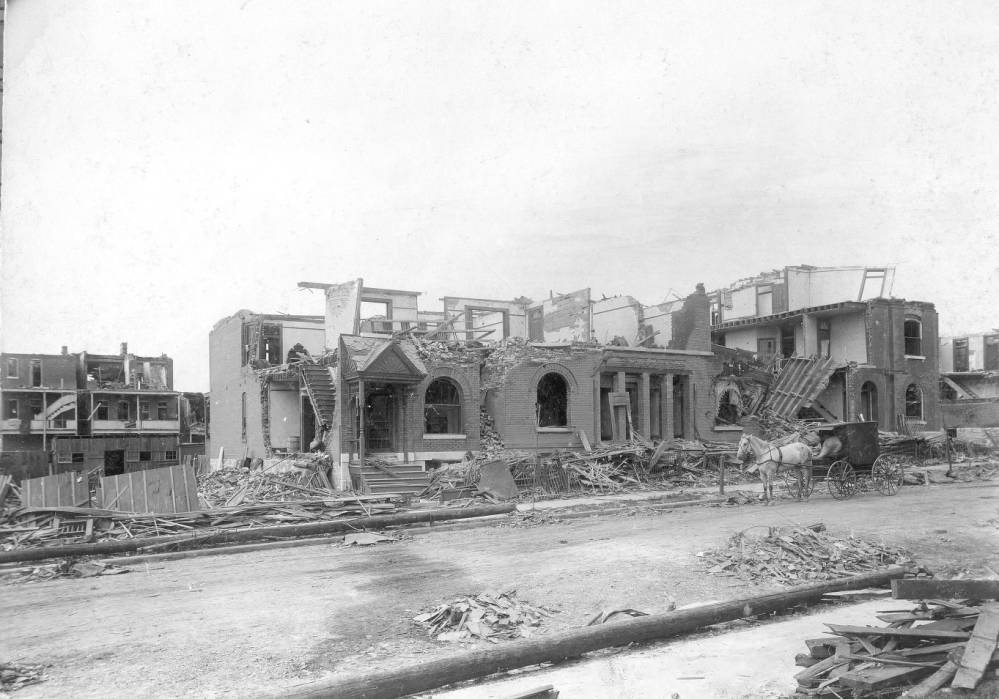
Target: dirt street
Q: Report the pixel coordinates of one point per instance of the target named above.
(236, 625)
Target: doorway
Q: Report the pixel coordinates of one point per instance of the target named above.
(869, 401)
(379, 419)
(114, 462)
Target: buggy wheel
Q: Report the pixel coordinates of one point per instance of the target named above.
(841, 480)
(887, 474)
(794, 484)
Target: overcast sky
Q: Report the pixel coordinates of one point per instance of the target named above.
(168, 163)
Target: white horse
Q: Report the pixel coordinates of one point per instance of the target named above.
(770, 459)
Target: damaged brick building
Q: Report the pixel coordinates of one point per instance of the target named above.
(969, 375)
(84, 411)
(837, 335)
(390, 390)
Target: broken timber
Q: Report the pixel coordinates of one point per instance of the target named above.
(570, 644)
(234, 535)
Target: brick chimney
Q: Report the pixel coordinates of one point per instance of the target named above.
(65, 350)
(124, 348)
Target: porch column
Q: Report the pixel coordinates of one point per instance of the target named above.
(644, 404)
(621, 412)
(595, 435)
(360, 431)
(666, 405)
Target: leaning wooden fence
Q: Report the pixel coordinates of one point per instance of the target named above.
(160, 490)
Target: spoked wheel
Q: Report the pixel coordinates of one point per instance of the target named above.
(841, 479)
(887, 474)
(795, 486)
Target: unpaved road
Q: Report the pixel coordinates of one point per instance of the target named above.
(237, 625)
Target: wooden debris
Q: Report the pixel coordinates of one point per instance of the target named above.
(13, 676)
(64, 569)
(793, 555)
(929, 588)
(914, 656)
(488, 616)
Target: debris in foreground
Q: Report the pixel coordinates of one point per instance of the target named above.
(13, 676)
(489, 616)
(938, 643)
(793, 555)
(68, 568)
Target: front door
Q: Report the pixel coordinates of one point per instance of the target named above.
(379, 420)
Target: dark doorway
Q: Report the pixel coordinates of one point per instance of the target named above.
(114, 462)
(787, 341)
(679, 406)
(869, 401)
(536, 324)
(379, 420)
(606, 415)
(308, 423)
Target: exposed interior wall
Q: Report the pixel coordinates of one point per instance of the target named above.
(402, 305)
(285, 417)
(311, 336)
(619, 316)
(566, 318)
(343, 308)
(228, 381)
(658, 319)
(742, 338)
(516, 313)
(743, 304)
(848, 338)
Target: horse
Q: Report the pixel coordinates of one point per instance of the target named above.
(770, 458)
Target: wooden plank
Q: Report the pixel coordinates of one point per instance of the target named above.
(876, 678)
(928, 588)
(845, 630)
(978, 652)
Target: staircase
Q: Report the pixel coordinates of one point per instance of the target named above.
(322, 392)
(393, 476)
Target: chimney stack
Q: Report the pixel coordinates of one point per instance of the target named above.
(124, 348)
(65, 350)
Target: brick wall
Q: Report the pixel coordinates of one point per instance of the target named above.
(513, 403)
(692, 323)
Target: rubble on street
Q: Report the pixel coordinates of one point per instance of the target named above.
(794, 555)
(488, 616)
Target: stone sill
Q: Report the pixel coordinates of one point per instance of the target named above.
(915, 356)
(557, 430)
(445, 436)
(727, 428)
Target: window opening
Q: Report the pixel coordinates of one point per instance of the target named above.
(270, 340)
(961, 358)
(873, 284)
(102, 411)
(12, 368)
(161, 410)
(442, 408)
(36, 372)
(124, 411)
(145, 456)
(869, 401)
(170, 455)
(913, 402)
(78, 457)
(12, 408)
(825, 337)
(553, 401)
(729, 408)
(764, 300)
(913, 337)
(376, 316)
(144, 410)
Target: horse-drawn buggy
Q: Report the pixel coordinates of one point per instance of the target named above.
(850, 461)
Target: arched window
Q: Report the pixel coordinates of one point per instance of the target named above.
(913, 337)
(913, 402)
(729, 408)
(553, 401)
(442, 408)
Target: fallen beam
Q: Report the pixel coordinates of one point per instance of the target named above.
(225, 536)
(929, 588)
(573, 643)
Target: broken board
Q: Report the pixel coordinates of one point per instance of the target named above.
(69, 489)
(159, 490)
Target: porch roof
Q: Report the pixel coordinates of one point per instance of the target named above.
(376, 358)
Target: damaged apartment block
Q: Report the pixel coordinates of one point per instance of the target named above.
(841, 348)
(969, 385)
(390, 390)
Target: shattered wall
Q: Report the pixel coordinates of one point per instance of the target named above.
(343, 310)
(620, 316)
(515, 312)
(565, 318)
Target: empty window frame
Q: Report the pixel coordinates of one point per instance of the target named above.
(913, 331)
(961, 357)
(729, 408)
(170, 455)
(12, 368)
(824, 337)
(873, 284)
(78, 457)
(553, 401)
(102, 411)
(161, 410)
(913, 402)
(486, 323)
(442, 408)
(270, 341)
(764, 300)
(376, 316)
(124, 411)
(36, 372)
(12, 408)
(144, 409)
(145, 456)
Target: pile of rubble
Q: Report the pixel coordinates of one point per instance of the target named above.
(794, 555)
(13, 676)
(301, 477)
(506, 354)
(68, 568)
(939, 643)
(489, 616)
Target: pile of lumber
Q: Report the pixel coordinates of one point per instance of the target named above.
(794, 555)
(55, 526)
(232, 486)
(942, 642)
(489, 616)
(13, 676)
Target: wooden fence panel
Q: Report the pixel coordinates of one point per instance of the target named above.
(68, 489)
(160, 490)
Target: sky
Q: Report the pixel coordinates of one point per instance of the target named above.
(167, 164)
